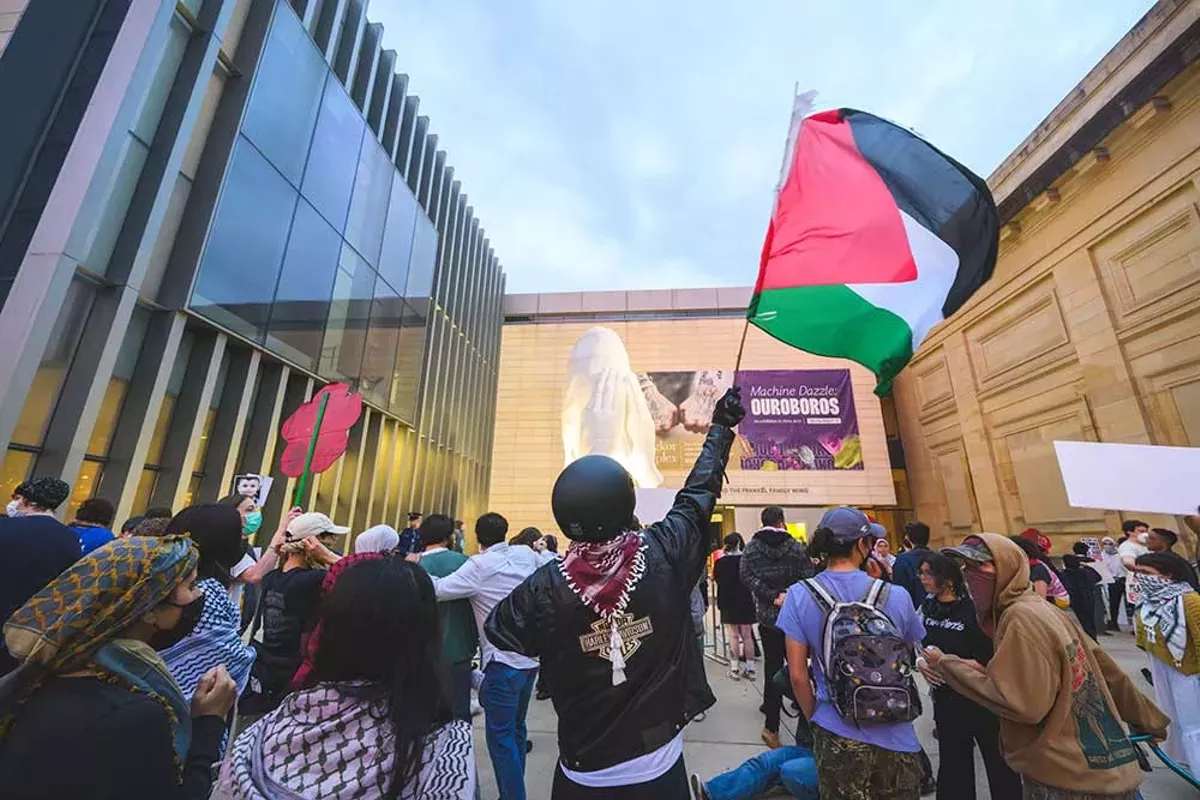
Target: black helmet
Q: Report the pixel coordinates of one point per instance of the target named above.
(593, 499)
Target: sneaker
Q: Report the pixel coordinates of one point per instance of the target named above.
(771, 739)
(735, 673)
(698, 790)
(750, 672)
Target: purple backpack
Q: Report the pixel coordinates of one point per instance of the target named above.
(867, 664)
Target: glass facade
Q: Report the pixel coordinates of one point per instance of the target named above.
(291, 245)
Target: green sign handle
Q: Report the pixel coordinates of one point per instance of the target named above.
(302, 484)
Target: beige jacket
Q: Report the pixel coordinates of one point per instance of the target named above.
(1061, 699)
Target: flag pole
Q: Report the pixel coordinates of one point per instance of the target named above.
(302, 483)
(737, 365)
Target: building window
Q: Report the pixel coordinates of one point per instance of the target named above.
(369, 204)
(332, 163)
(301, 305)
(349, 313)
(398, 234)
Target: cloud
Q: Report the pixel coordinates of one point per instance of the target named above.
(628, 144)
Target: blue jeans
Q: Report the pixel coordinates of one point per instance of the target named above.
(505, 695)
(794, 766)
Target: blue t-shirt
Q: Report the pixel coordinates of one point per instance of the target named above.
(91, 537)
(803, 620)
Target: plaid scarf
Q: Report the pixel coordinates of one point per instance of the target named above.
(603, 575)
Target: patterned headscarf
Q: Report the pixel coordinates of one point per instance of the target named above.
(72, 625)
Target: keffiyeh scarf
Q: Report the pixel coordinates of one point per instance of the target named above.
(324, 743)
(603, 575)
(1162, 612)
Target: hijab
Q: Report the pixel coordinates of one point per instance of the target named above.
(377, 540)
(73, 626)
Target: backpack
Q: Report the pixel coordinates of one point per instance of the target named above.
(867, 664)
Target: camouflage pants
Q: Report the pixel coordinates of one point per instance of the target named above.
(851, 770)
(1039, 791)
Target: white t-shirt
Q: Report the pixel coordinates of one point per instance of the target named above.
(1131, 550)
(630, 773)
(235, 589)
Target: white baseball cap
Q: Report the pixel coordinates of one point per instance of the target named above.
(312, 524)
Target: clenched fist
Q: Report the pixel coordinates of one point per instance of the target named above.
(729, 411)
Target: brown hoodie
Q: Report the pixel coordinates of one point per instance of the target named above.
(1060, 698)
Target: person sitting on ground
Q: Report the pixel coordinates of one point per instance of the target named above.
(791, 766)
(612, 621)
(214, 641)
(377, 539)
(93, 523)
(460, 636)
(288, 610)
(952, 625)
(856, 756)
(371, 719)
(1168, 628)
(1063, 702)
(34, 546)
(92, 711)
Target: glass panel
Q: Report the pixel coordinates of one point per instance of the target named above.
(208, 110)
(286, 96)
(118, 384)
(345, 333)
(164, 78)
(83, 488)
(14, 469)
(329, 178)
(116, 205)
(305, 285)
(398, 235)
(422, 264)
(245, 247)
(369, 205)
(157, 266)
(406, 378)
(159, 438)
(145, 488)
(383, 335)
(60, 350)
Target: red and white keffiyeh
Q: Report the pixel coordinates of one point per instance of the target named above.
(603, 575)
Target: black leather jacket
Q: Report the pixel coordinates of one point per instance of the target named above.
(601, 725)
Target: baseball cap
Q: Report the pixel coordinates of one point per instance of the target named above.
(312, 524)
(849, 524)
(972, 549)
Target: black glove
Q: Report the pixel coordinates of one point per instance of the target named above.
(729, 411)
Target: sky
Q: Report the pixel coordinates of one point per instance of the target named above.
(626, 144)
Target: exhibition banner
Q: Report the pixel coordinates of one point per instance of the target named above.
(796, 419)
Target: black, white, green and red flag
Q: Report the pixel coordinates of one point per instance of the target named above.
(876, 237)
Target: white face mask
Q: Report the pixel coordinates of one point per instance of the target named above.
(1143, 537)
(12, 509)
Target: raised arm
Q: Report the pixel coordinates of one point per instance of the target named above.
(683, 533)
(513, 624)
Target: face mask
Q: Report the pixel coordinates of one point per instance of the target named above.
(1111, 549)
(981, 587)
(189, 616)
(253, 523)
(1144, 538)
(12, 509)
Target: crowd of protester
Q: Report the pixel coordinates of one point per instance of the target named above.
(172, 658)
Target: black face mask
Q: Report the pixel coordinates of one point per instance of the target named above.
(189, 616)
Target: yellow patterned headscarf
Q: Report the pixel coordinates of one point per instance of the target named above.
(72, 625)
(96, 598)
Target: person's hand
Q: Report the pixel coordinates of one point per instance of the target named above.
(933, 655)
(281, 533)
(662, 411)
(215, 694)
(928, 672)
(319, 551)
(413, 558)
(779, 600)
(729, 411)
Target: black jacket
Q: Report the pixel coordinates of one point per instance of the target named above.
(601, 725)
(33, 550)
(88, 739)
(773, 561)
(906, 572)
(733, 598)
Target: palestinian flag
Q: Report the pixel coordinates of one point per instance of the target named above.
(876, 237)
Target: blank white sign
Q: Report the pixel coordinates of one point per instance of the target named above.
(653, 504)
(1131, 477)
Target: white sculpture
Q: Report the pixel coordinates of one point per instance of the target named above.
(604, 410)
